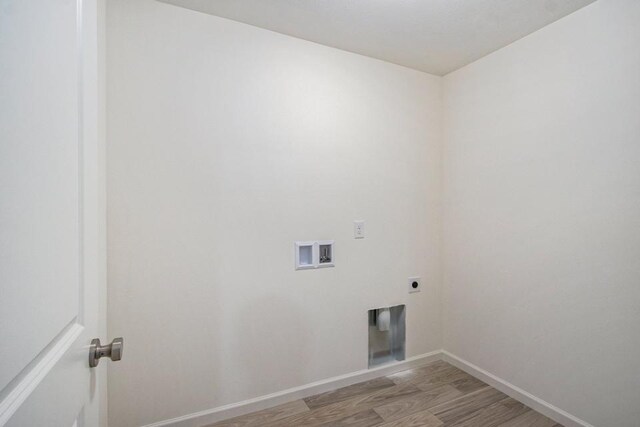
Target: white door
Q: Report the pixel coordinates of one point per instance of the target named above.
(51, 213)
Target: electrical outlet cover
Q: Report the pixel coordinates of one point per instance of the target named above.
(415, 285)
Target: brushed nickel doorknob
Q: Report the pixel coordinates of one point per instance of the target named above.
(112, 351)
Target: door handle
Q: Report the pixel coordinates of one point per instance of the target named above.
(113, 351)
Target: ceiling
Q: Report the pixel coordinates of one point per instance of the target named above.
(436, 36)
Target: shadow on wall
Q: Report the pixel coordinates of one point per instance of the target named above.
(267, 358)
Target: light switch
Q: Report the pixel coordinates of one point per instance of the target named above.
(358, 229)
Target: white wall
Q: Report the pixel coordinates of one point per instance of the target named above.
(226, 143)
(542, 213)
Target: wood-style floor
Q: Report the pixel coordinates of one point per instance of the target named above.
(433, 395)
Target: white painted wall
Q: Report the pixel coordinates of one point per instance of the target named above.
(542, 213)
(226, 143)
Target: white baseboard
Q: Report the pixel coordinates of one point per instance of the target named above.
(545, 408)
(213, 415)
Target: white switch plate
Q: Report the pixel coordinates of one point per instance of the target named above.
(411, 282)
(358, 229)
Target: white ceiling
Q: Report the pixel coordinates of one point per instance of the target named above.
(436, 36)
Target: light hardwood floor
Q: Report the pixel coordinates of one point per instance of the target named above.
(434, 395)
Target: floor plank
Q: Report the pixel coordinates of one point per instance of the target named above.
(530, 418)
(367, 418)
(260, 418)
(460, 409)
(417, 403)
(450, 376)
(345, 393)
(493, 415)
(419, 419)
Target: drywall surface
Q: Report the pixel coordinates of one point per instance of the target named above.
(542, 213)
(227, 143)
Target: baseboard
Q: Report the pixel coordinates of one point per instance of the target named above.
(545, 408)
(220, 413)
